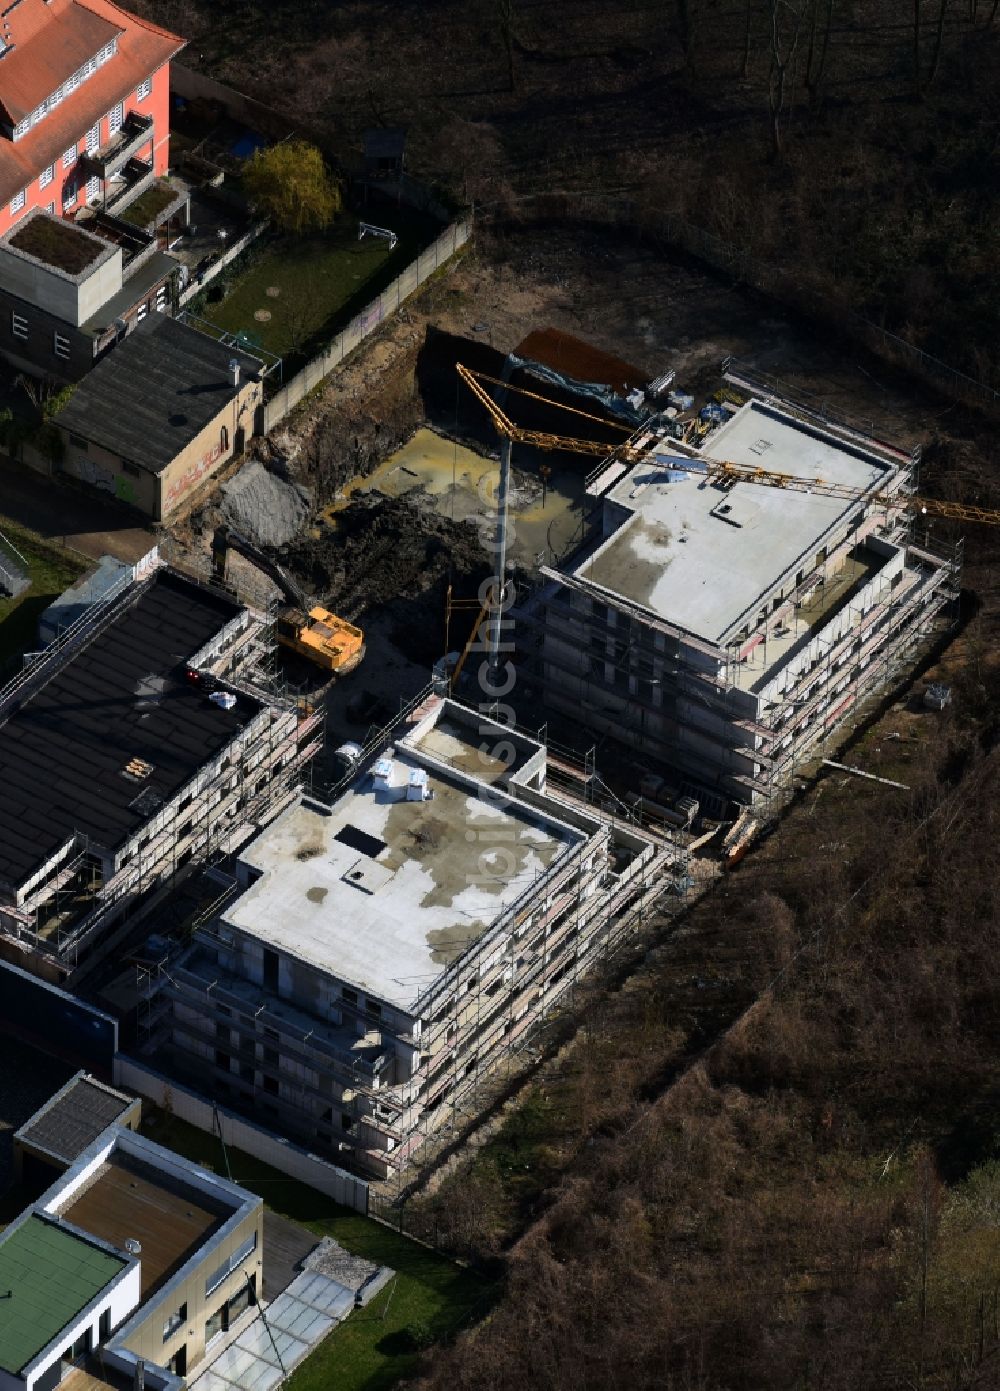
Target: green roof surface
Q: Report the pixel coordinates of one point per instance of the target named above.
(52, 1275)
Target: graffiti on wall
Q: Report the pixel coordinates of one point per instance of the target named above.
(97, 475)
(191, 477)
(100, 476)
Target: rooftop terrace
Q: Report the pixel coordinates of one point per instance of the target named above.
(384, 892)
(703, 557)
(129, 1199)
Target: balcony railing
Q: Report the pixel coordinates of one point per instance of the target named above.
(138, 176)
(126, 142)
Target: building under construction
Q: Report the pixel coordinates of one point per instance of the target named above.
(143, 738)
(719, 627)
(376, 957)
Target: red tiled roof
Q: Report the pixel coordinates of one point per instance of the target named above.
(43, 55)
(142, 48)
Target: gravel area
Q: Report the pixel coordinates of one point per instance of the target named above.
(268, 510)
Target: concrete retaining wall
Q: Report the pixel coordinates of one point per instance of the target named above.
(451, 239)
(290, 1159)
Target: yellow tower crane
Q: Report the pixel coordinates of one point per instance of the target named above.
(717, 470)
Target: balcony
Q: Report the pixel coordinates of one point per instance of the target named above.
(134, 133)
(133, 180)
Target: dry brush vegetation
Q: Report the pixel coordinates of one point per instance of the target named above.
(816, 1202)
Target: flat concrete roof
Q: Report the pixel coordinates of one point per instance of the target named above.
(420, 881)
(701, 557)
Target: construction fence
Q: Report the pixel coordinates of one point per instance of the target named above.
(240, 1134)
(410, 279)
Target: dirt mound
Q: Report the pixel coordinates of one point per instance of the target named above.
(394, 550)
(268, 509)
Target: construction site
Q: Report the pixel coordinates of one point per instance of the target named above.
(167, 735)
(374, 958)
(362, 772)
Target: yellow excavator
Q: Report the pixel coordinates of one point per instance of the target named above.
(329, 642)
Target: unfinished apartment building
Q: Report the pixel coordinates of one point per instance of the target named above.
(138, 741)
(720, 628)
(378, 956)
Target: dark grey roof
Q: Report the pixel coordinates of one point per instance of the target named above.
(155, 392)
(74, 1118)
(135, 288)
(120, 697)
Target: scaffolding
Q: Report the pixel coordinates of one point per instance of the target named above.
(68, 919)
(478, 1015)
(629, 676)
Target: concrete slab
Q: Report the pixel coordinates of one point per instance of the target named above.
(384, 892)
(703, 558)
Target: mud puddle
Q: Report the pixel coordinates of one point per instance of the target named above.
(458, 484)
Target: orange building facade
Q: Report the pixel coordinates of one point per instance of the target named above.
(84, 106)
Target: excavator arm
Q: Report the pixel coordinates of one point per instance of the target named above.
(226, 540)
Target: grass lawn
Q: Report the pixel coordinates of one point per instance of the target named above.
(321, 280)
(52, 570)
(370, 1351)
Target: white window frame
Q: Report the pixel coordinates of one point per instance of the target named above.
(162, 299)
(46, 176)
(144, 89)
(60, 346)
(93, 188)
(142, 311)
(116, 119)
(69, 157)
(18, 325)
(92, 139)
(18, 201)
(22, 128)
(70, 193)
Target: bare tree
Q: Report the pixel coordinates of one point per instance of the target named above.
(785, 19)
(684, 11)
(505, 14)
(747, 35)
(819, 45)
(922, 79)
